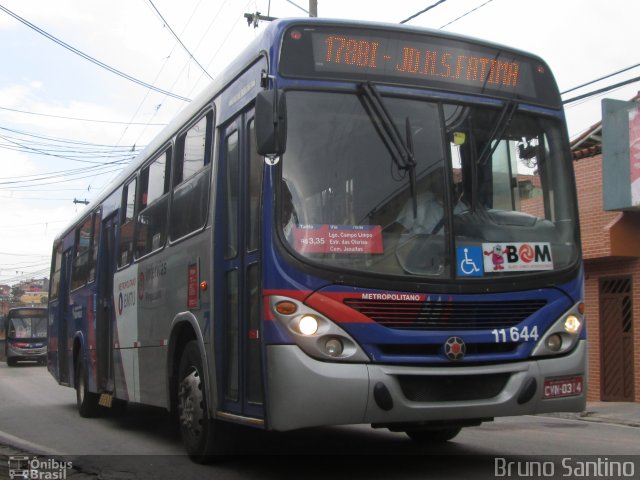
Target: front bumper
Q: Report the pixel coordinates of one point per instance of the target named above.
(304, 392)
(26, 353)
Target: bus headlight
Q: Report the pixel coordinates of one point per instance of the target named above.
(572, 324)
(333, 347)
(314, 333)
(308, 325)
(563, 335)
(554, 342)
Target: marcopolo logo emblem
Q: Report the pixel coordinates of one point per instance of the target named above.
(455, 349)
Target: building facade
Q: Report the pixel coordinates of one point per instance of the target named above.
(611, 250)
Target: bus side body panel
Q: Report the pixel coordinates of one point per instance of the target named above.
(148, 295)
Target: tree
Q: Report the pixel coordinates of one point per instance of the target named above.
(16, 293)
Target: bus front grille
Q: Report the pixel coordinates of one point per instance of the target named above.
(452, 388)
(443, 315)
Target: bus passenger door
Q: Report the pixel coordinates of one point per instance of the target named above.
(105, 314)
(239, 357)
(63, 318)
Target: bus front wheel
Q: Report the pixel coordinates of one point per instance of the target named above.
(87, 401)
(204, 438)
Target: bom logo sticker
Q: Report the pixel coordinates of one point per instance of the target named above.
(517, 257)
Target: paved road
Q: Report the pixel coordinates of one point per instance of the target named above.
(37, 415)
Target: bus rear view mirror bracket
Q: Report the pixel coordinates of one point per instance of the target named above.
(271, 123)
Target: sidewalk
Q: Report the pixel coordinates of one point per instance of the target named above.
(619, 413)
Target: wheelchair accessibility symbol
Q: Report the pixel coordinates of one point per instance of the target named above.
(470, 262)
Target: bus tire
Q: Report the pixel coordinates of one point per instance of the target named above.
(11, 362)
(434, 436)
(87, 401)
(118, 407)
(205, 439)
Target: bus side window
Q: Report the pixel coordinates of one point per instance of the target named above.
(125, 248)
(231, 208)
(57, 267)
(153, 202)
(95, 236)
(255, 190)
(82, 259)
(192, 177)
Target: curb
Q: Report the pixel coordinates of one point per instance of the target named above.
(596, 417)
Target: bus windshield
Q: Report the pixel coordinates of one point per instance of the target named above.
(27, 327)
(490, 194)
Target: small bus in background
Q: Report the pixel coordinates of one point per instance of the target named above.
(26, 335)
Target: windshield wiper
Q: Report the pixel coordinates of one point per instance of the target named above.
(499, 127)
(401, 150)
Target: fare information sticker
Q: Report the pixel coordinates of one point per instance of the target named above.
(340, 239)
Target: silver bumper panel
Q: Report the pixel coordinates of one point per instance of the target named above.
(303, 392)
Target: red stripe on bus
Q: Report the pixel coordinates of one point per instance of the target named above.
(335, 310)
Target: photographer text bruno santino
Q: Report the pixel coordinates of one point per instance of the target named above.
(565, 467)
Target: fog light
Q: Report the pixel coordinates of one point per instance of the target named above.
(308, 325)
(554, 342)
(572, 324)
(333, 347)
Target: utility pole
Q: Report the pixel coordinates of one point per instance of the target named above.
(313, 8)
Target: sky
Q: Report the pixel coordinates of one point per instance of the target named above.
(67, 125)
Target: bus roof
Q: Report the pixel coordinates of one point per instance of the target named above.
(27, 312)
(264, 44)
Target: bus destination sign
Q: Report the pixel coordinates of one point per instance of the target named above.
(413, 59)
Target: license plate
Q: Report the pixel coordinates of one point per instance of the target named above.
(563, 387)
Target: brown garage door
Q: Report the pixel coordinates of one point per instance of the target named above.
(616, 327)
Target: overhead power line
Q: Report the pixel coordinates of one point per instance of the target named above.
(58, 173)
(298, 6)
(77, 151)
(175, 35)
(601, 90)
(465, 14)
(90, 58)
(82, 119)
(27, 275)
(452, 21)
(601, 78)
(91, 175)
(16, 147)
(32, 224)
(422, 11)
(66, 141)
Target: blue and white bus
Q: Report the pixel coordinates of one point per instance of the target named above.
(355, 224)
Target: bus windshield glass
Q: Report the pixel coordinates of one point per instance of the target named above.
(27, 327)
(490, 195)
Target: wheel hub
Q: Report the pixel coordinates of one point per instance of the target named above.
(190, 404)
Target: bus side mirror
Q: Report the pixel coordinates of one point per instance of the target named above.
(271, 123)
